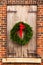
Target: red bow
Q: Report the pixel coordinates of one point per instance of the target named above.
(21, 29)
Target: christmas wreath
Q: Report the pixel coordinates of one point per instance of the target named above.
(21, 33)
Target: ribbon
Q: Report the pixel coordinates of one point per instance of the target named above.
(21, 29)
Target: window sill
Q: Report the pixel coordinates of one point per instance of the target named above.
(21, 60)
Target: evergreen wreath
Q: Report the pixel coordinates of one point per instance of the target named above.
(28, 33)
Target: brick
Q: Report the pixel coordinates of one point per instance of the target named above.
(40, 10)
(39, 25)
(39, 42)
(40, 30)
(42, 63)
(0, 62)
(2, 28)
(0, 15)
(22, 2)
(3, 2)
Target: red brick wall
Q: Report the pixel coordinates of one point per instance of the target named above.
(40, 30)
(2, 30)
(3, 25)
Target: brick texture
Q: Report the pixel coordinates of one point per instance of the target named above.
(2, 30)
(3, 26)
(40, 2)
(40, 30)
(2, 2)
(0, 62)
(9, 2)
(22, 1)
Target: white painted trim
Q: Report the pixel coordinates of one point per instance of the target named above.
(21, 60)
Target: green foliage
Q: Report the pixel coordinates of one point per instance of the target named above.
(28, 33)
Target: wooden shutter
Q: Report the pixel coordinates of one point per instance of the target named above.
(26, 14)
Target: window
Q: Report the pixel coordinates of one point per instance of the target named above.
(16, 13)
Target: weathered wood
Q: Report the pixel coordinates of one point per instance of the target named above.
(21, 13)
